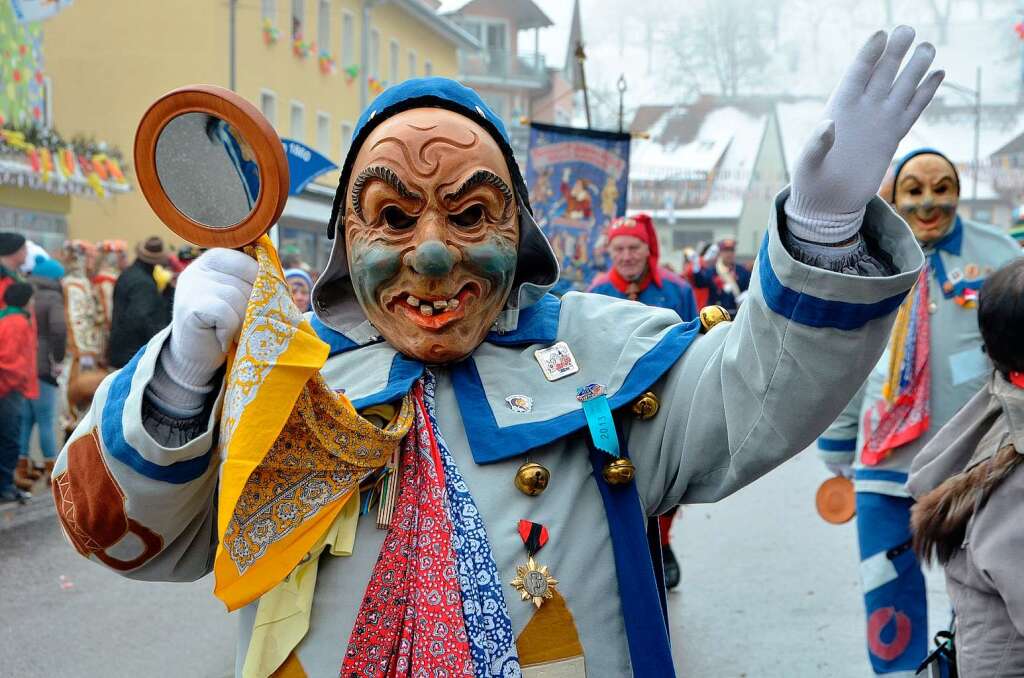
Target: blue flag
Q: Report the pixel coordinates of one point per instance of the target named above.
(304, 165)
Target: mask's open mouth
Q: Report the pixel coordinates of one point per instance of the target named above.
(931, 220)
(431, 311)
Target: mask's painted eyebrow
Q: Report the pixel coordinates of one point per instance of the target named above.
(483, 178)
(385, 174)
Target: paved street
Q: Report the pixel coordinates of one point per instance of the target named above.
(768, 590)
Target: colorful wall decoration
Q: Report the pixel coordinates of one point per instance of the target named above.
(32, 154)
(22, 88)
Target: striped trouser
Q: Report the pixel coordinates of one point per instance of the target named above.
(893, 584)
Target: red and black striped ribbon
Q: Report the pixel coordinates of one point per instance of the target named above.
(534, 536)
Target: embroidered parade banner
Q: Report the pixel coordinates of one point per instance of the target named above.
(577, 181)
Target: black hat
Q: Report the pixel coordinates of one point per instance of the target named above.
(10, 242)
(18, 294)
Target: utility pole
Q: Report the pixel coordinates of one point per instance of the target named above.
(977, 134)
(232, 11)
(974, 94)
(621, 86)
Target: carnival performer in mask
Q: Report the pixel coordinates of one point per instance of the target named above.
(510, 473)
(933, 365)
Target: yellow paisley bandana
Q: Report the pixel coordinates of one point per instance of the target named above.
(294, 450)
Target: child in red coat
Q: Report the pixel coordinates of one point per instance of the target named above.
(18, 380)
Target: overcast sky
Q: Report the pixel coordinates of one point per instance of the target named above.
(805, 55)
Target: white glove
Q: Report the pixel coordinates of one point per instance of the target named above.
(711, 254)
(842, 470)
(867, 115)
(209, 306)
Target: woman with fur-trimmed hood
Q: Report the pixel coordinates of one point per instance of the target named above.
(969, 487)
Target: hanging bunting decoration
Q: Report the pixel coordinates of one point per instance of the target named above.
(326, 61)
(270, 33)
(351, 73)
(301, 48)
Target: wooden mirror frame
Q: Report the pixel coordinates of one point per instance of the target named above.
(257, 132)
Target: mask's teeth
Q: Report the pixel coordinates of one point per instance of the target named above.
(440, 305)
(453, 304)
(426, 310)
(412, 301)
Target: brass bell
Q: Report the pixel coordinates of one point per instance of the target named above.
(646, 406)
(619, 471)
(532, 478)
(711, 316)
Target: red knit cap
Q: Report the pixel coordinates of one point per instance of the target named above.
(639, 226)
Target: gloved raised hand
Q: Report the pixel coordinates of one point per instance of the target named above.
(844, 161)
(209, 307)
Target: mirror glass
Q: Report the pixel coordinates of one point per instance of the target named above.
(207, 170)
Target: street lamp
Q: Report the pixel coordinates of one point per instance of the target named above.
(976, 95)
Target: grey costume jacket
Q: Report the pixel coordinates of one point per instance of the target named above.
(958, 364)
(735, 403)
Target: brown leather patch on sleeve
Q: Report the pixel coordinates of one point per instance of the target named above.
(91, 506)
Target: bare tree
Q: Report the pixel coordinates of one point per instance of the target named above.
(722, 43)
(941, 18)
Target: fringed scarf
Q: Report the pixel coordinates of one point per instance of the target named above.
(904, 411)
(433, 606)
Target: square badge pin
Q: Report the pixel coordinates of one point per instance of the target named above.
(557, 361)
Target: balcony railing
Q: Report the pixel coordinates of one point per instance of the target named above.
(501, 64)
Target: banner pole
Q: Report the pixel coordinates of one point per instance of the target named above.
(581, 57)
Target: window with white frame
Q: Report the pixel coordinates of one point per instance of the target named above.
(268, 106)
(268, 11)
(374, 57)
(323, 26)
(393, 51)
(297, 127)
(298, 19)
(348, 40)
(346, 140)
(428, 68)
(323, 133)
(412, 64)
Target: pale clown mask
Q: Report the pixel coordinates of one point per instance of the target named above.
(431, 232)
(927, 191)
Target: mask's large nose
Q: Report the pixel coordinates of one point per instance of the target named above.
(433, 259)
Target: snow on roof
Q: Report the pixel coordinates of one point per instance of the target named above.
(449, 6)
(726, 143)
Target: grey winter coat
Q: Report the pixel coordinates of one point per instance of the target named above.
(984, 575)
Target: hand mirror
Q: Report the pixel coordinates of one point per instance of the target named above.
(211, 166)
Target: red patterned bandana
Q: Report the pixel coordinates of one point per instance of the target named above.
(410, 622)
(903, 414)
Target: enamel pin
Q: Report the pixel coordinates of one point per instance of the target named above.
(519, 403)
(557, 361)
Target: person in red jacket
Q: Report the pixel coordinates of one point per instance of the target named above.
(18, 381)
(13, 252)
